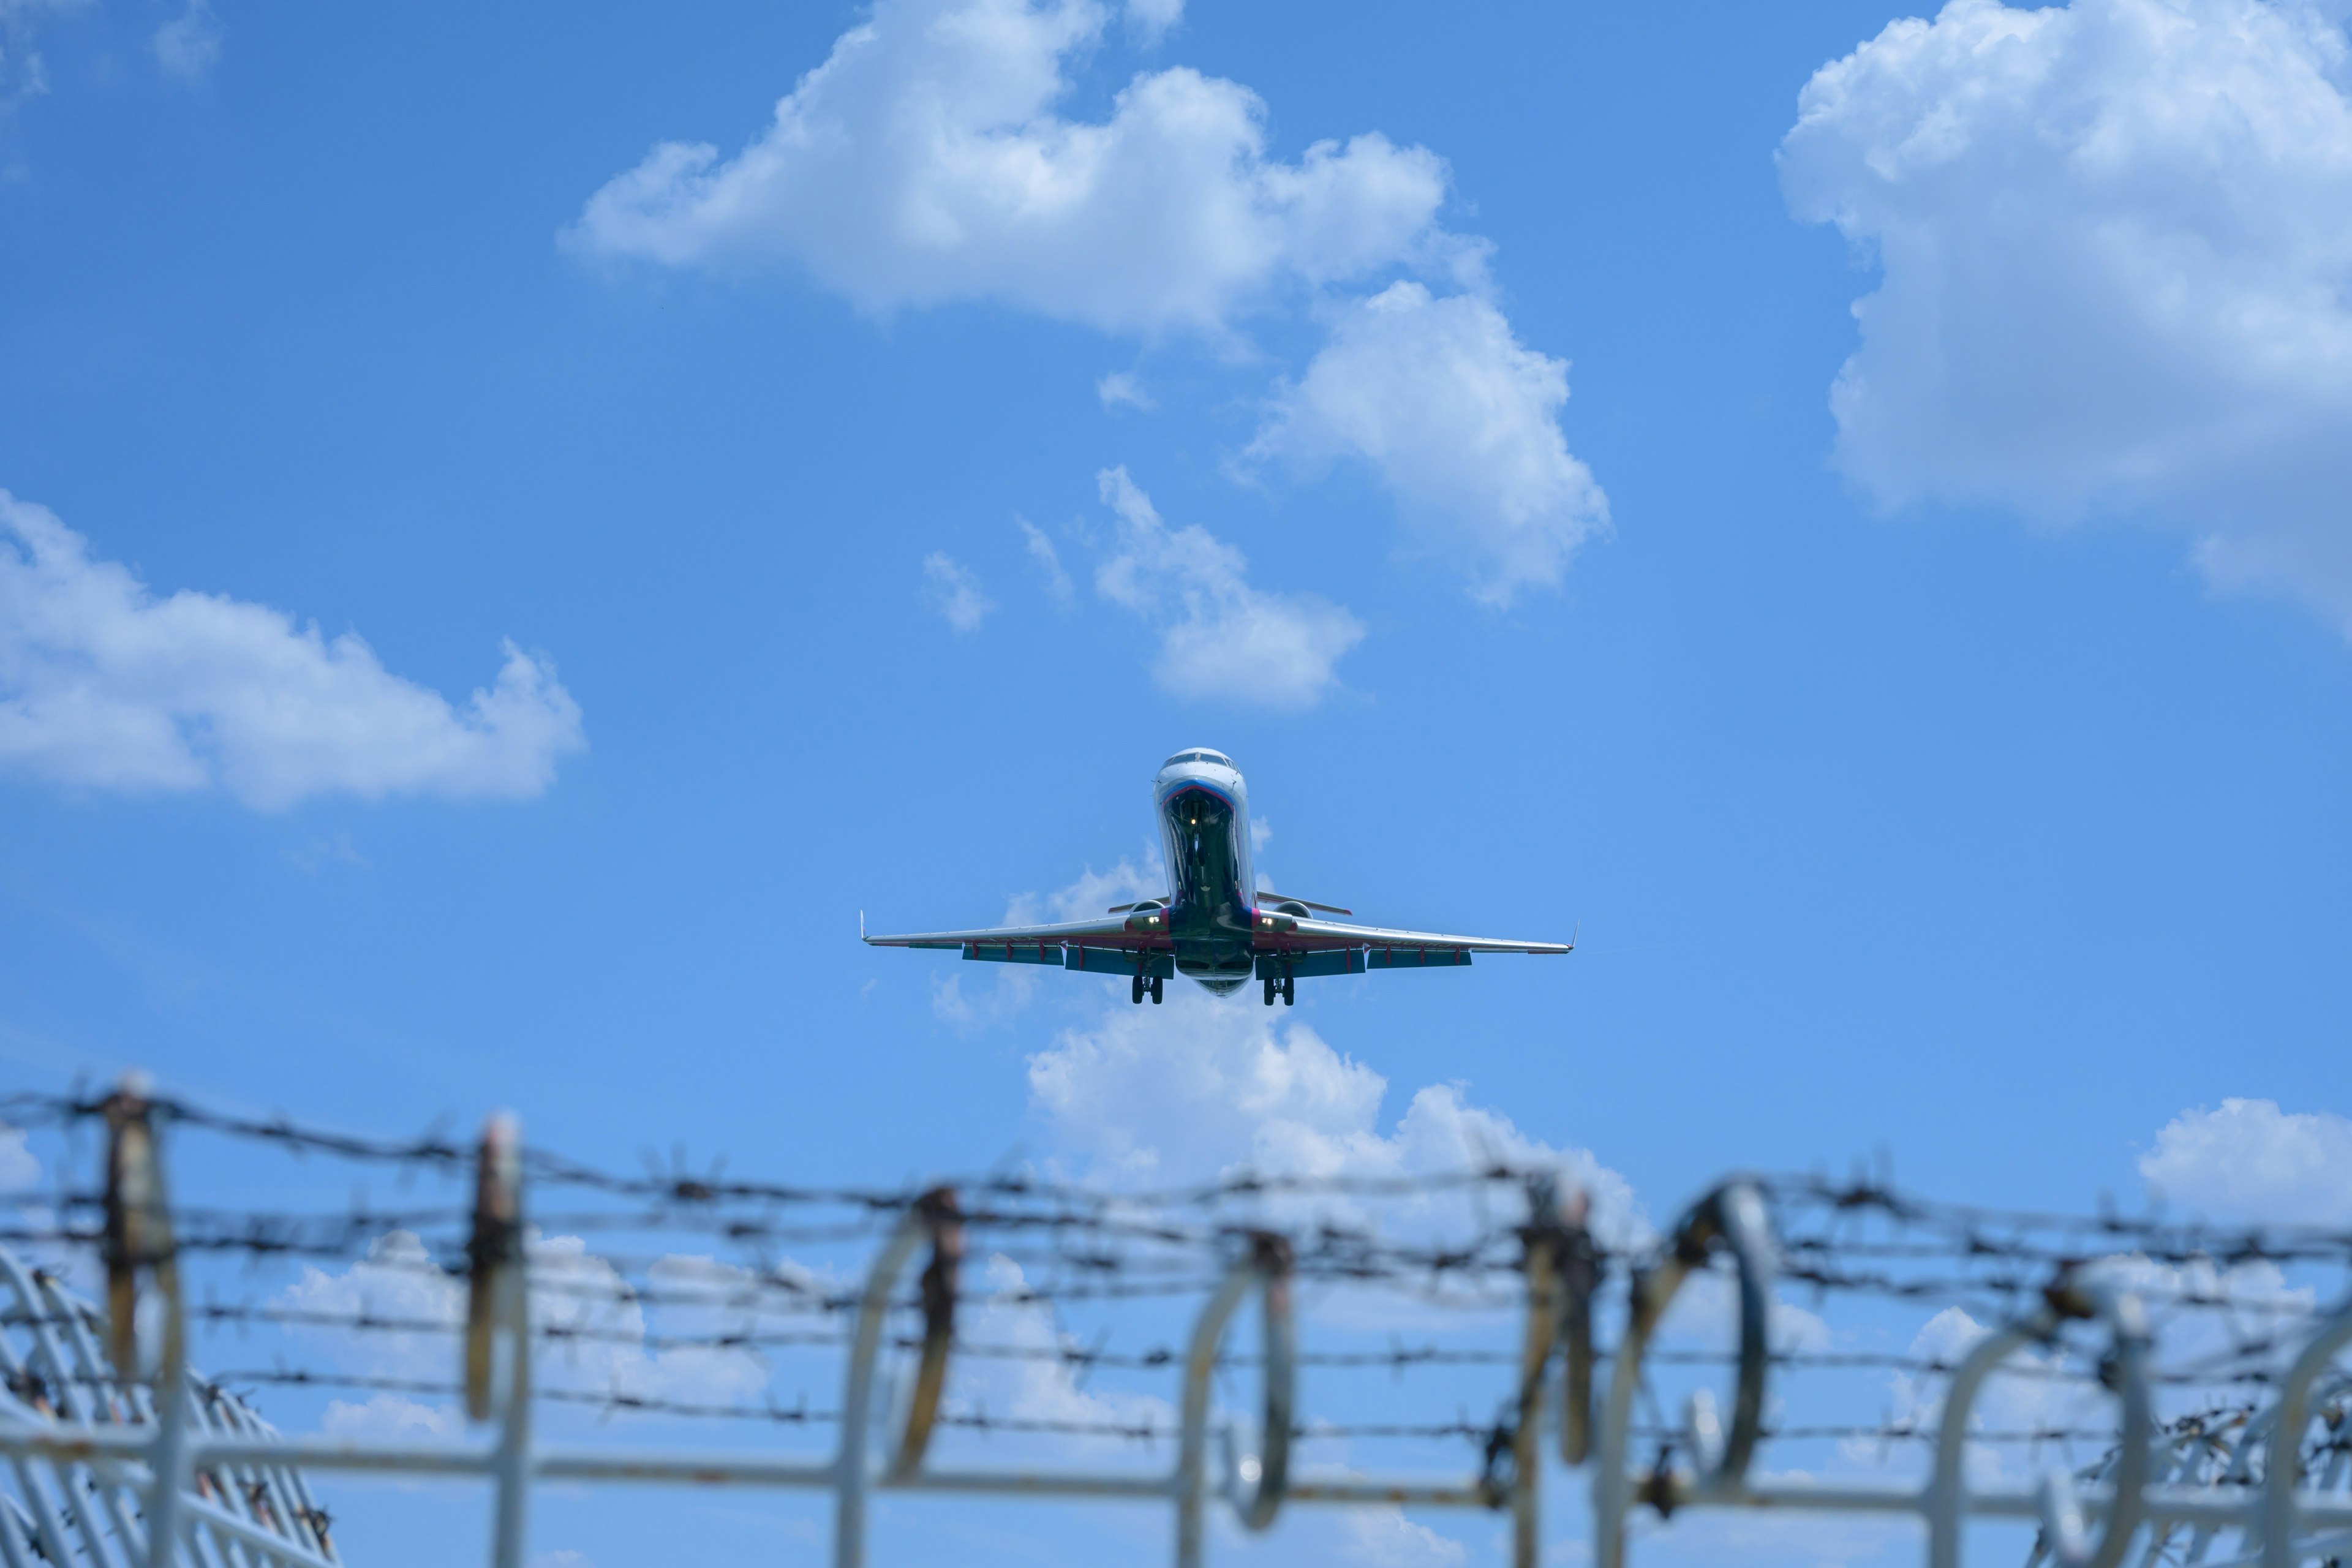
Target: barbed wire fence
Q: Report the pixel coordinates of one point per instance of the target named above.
(2182, 1375)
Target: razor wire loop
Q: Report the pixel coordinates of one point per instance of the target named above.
(1731, 1217)
(2282, 1467)
(1265, 1265)
(2071, 1296)
(2205, 1474)
(939, 1212)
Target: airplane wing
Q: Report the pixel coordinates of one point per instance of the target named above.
(1302, 935)
(1144, 932)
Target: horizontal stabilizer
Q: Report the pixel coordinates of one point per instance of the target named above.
(1267, 898)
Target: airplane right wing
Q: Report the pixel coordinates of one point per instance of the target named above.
(1288, 934)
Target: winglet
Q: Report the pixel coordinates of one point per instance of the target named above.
(1573, 934)
(861, 925)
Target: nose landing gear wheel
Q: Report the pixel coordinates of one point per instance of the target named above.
(1269, 990)
(1155, 990)
(1136, 996)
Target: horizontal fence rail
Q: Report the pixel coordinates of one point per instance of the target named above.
(2217, 1415)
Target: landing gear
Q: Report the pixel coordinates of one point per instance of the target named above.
(1156, 983)
(1136, 995)
(1270, 985)
(1286, 988)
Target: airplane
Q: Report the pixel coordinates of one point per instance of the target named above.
(1217, 926)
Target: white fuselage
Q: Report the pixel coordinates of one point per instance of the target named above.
(1204, 811)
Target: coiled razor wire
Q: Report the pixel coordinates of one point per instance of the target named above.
(2228, 1439)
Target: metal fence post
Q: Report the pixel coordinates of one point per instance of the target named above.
(138, 1236)
(498, 1305)
(1545, 1249)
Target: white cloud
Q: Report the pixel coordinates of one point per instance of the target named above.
(331, 849)
(1384, 1538)
(103, 685)
(393, 1418)
(1219, 636)
(1040, 1389)
(1154, 18)
(923, 161)
(1092, 893)
(22, 74)
(572, 1289)
(1199, 1085)
(20, 1169)
(955, 593)
(1120, 388)
(187, 45)
(2250, 1161)
(1047, 560)
(2115, 240)
(1015, 984)
(1462, 423)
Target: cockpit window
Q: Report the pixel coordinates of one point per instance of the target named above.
(1220, 759)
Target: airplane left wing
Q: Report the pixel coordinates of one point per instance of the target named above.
(1144, 931)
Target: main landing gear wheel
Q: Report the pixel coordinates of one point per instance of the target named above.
(1289, 991)
(1136, 996)
(1269, 990)
(1156, 983)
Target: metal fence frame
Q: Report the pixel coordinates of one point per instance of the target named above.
(2283, 1521)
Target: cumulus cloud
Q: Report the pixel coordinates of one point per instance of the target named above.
(392, 1417)
(1199, 1087)
(20, 1168)
(1384, 1538)
(1219, 636)
(187, 45)
(104, 685)
(22, 74)
(573, 1289)
(955, 593)
(1046, 559)
(1154, 18)
(2249, 1160)
(1036, 1388)
(1121, 389)
(1461, 422)
(924, 161)
(1015, 985)
(2115, 242)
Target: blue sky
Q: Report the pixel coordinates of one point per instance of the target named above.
(1935, 714)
